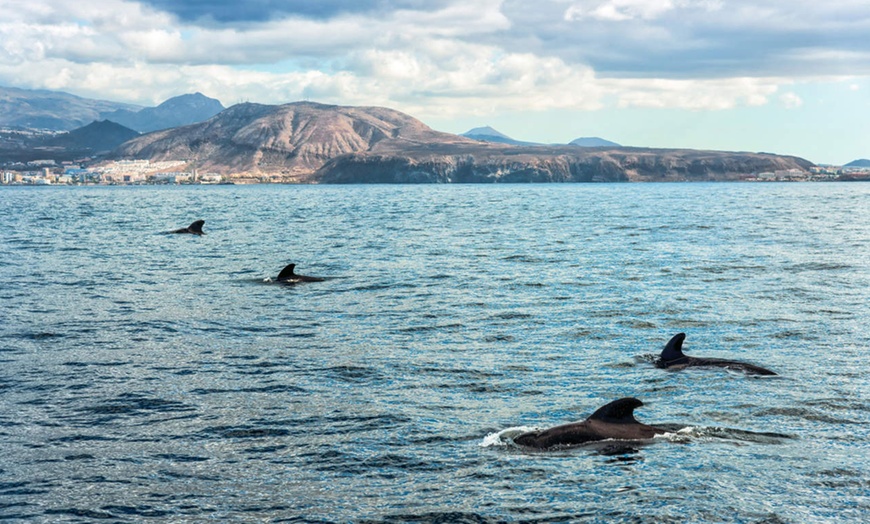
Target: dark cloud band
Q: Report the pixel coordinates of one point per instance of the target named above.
(247, 11)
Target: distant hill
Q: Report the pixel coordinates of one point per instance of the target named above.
(863, 162)
(318, 143)
(291, 139)
(59, 111)
(593, 141)
(96, 137)
(177, 111)
(488, 134)
(51, 110)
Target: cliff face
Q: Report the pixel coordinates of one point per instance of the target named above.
(307, 142)
(513, 165)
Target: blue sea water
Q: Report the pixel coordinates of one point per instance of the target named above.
(149, 377)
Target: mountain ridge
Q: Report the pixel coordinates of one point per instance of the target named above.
(320, 143)
(174, 112)
(97, 137)
(40, 109)
(51, 110)
(592, 141)
(293, 139)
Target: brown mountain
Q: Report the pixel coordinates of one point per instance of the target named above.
(309, 142)
(293, 140)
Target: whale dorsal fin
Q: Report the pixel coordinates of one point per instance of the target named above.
(618, 412)
(196, 227)
(287, 272)
(674, 348)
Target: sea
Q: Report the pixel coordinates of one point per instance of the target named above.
(156, 377)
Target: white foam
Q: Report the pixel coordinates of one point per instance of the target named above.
(505, 436)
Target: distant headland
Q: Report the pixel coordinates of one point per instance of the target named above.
(193, 139)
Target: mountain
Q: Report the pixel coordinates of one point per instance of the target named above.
(488, 134)
(292, 140)
(96, 137)
(51, 110)
(177, 111)
(863, 162)
(593, 141)
(317, 143)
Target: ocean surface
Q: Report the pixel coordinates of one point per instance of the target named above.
(152, 377)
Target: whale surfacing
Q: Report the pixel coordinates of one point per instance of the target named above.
(672, 357)
(194, 229)
(288, 276)
(612, 421)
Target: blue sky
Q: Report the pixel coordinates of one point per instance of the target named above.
(752, 75)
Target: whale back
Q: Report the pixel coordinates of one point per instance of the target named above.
(618, 412)
(674, 348)
(287, 273)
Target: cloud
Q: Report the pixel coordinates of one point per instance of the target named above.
(235, 12)
(618, 10)
(436, 58)
(698, 38)
(791, 100)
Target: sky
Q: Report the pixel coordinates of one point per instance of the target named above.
(788, 77)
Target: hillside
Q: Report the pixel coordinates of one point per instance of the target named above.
(461, 163)
(488, 134)
(593, 141)
(309, 142)
(52, 110)
(292, 140)
(96, 137)
(58, 111)
(177, 111)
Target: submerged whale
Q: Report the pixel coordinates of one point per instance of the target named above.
(288, 276)
(672, 357)
(611, 421)
(194, 229)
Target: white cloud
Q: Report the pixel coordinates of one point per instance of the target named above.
(791, 100)
(718, 94)
(465, 57)
(622, 10)
(617, 10)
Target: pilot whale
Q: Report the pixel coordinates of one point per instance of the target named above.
(288, 276)
(194, 228)
(672, 357)
(612, 421)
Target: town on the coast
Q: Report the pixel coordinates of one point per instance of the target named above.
(145, 172)
(121, 172)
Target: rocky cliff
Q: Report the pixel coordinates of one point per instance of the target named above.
(557, 164)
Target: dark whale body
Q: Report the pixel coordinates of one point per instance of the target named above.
(194, 228)
(672, 357)
(288, 276)
(611, 421)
